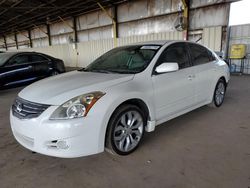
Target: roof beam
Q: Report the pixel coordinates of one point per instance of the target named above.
(30, 39)
(54, 6)
(16, 41)
(43, 15)
(49, 35)
(23, 14)
(113, 19)
(63, 8)
(13, 5)
(5, 43)
(46, 33)
(75, 29)
(82, 7)
(2, 2)
(65, 23)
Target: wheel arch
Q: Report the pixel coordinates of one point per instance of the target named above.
(133, 101)
(224, 79)
(137, 102)
(212, 93)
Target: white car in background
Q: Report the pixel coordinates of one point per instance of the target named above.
(112, 102)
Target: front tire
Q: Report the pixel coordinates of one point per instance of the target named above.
(219, 93)
(125, 130)
(54, 73)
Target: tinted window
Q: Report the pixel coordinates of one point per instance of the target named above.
(4, 57)
(200, 55)
(37, 58)
(20, 59)
(175, 53)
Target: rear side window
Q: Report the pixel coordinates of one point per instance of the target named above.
(19, 59)
(176, 53)
(37, 58)
(200, 55)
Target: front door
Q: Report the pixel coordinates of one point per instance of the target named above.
(174, 91)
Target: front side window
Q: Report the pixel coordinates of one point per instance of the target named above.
(20, 59)
(200, 55)
(176, 53)
(128, 59)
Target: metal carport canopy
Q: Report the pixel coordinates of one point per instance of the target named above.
(19, 15)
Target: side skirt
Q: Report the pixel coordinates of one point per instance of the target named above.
(181, 113)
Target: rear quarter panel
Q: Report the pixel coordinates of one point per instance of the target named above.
(221, 70)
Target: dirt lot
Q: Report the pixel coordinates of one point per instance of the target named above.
(207, 148)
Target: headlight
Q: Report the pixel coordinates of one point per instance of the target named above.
(77, 107)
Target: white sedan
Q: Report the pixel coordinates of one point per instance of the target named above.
(112, 102)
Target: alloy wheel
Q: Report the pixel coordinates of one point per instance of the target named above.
(128, 131)
(219, 93)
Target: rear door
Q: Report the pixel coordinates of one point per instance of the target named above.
(204, 64)
(40, 64)
(173, 91)
(16, 70)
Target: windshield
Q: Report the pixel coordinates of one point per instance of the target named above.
(126, 60)
(4, 57)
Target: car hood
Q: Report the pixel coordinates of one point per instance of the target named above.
(61, 88)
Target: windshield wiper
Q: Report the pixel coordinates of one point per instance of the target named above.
(100, 71)
(109, 71)
(95, 70)
(123, 71)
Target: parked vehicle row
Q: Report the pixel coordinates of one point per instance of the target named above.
(112, 102)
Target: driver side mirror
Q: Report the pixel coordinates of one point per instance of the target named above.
(167, 67)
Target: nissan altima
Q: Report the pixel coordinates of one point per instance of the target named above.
(113, 101)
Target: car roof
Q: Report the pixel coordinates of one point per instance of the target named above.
(160, 42)
(10, 54)
(155, 42)
(15, 53)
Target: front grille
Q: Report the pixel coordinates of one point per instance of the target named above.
(23, 109)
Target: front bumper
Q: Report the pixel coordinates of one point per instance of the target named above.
(59, 138)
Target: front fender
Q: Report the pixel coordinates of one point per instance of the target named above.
(111, 101)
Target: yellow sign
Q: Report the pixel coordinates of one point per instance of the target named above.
(237, 51)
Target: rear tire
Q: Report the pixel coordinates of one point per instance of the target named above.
(125, 130)
(219, 94)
